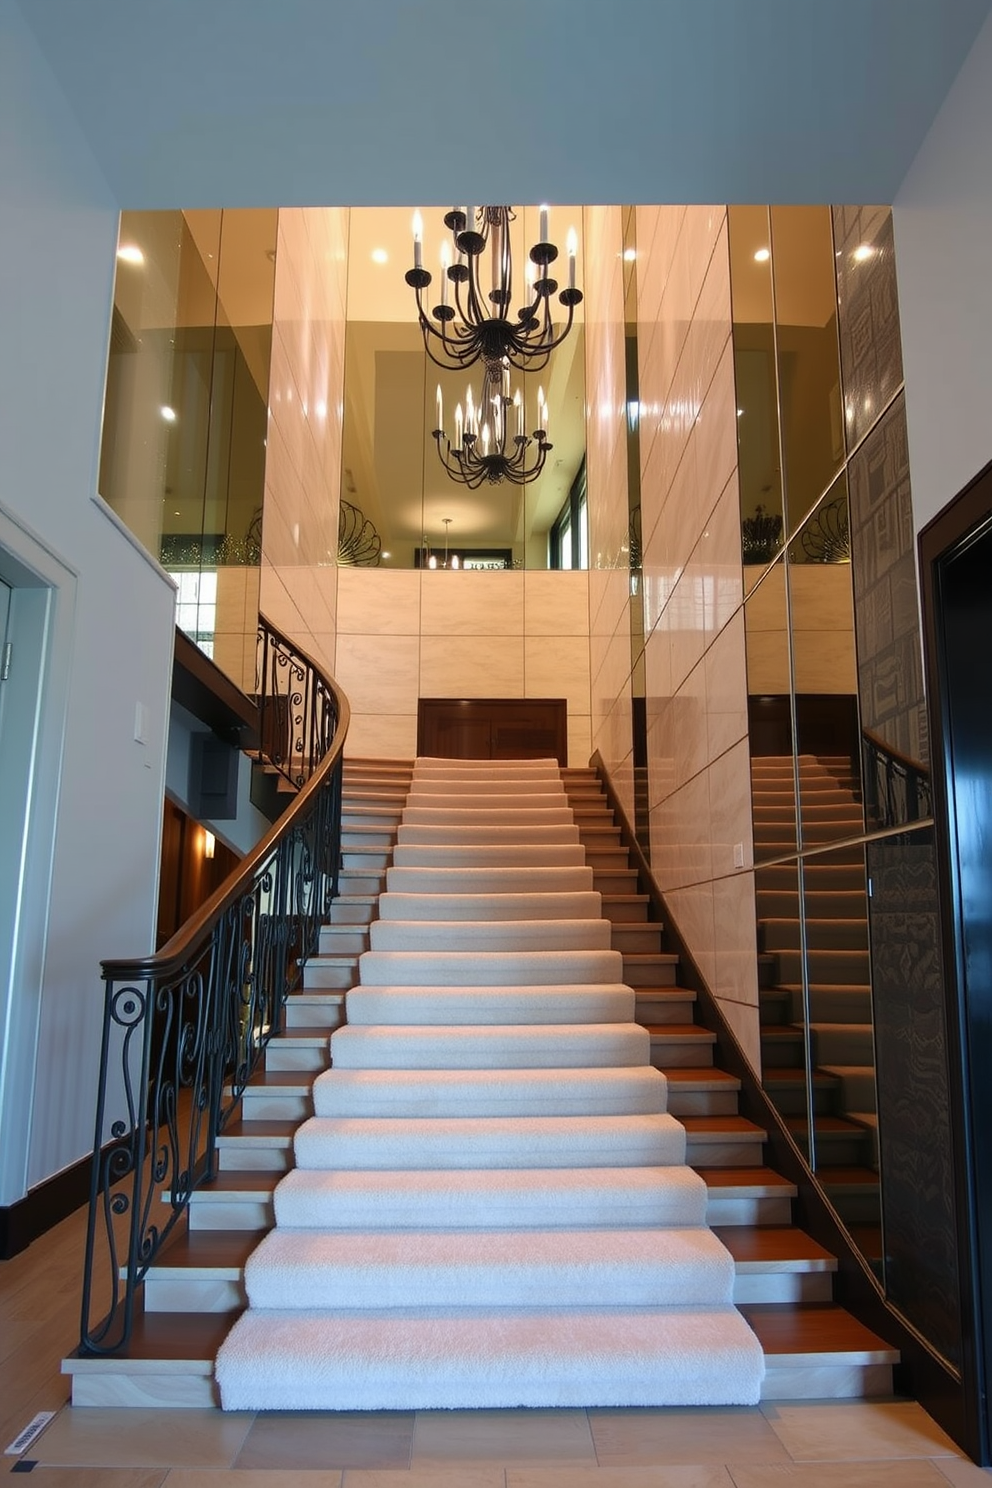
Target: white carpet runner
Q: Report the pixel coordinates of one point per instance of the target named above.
(490, 1205)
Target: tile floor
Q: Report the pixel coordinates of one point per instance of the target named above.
(829, 1444)
(888, 1444)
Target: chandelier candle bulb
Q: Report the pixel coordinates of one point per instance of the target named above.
(573, 244)
(445, 266)
(518, 404)
(543, 233)
(440, 409)
(458, 426)
(418, 241)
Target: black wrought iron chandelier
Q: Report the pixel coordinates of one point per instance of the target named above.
(484, 448)
(475, 319)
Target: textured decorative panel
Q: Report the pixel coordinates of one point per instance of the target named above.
(868, 306)
(886, 603)
(920, 1231)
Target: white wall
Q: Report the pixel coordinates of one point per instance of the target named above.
(92, 862)
(942, 217)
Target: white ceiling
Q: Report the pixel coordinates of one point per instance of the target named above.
(195, 103)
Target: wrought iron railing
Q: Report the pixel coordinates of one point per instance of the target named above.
(184, 1030)
(896, 788)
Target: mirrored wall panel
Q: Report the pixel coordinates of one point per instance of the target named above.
(182, 457)
(408, 501)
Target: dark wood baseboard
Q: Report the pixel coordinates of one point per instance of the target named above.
(43, 1207)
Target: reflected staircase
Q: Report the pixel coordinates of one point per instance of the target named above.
(813, 1348)
(841, 1051)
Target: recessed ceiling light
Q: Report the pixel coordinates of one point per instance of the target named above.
(169, 414)
(379, 255)
(629, 254)
(863, 251)
(762, 255)
(130, 253)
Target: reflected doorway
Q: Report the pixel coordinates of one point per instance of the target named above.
(493, 728)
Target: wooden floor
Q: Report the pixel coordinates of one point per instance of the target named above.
(834, 1444)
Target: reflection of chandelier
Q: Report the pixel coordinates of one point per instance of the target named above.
(484, 449)
(480, 323)
(430, 560)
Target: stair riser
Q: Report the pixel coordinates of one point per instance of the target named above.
(654, 1012)
(342, 940)
(266, 1105)
(834, 1005)
(172, 1390)
(373, 837)
(782, 1053)
(352, 914)
(827, 1382)
(836, 968)
(369, 860)
(244, 1156)
(843, 1043)
(194, 1294)
(657, 972)
(783, 1287)
(726, 1154)
(837, 935)
(324, 974)
(243, 1214)
(680, 1053)
(749, 1211)
(702, 1102)
(304, 1012)
(634, 938)
(303, 1059)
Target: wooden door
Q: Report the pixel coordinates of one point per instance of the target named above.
(493, 728)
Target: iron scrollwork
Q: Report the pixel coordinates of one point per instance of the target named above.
(184, 1031)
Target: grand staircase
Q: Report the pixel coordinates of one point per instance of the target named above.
(780, 1279)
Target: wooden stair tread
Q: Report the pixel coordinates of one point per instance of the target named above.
(241, 1180)
(756, 1244)
(681, 1031)
(706, 1078)
(790, 1332)
(760, 1180)
(823, 1126)
(737, 1126)
(213, 1250)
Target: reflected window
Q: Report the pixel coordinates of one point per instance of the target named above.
(568, 542)
(196, 606)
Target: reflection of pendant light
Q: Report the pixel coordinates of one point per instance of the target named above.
(484, 449)
(451, 562)
(481, 322)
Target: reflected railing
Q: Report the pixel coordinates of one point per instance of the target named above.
(896, 787)
(184, 1030)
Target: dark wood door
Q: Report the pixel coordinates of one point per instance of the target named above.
(493, 728)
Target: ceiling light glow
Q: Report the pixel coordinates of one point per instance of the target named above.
(863, 251)
(169, 414)
(380, 256)
(762, 255)
(130, 253)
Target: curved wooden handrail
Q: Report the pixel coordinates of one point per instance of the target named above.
(185, 1029)
(905, 760)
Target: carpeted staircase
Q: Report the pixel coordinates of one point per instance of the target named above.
(490, 1205)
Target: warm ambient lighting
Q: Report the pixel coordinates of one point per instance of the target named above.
(380, 256)
(762, 255)
(475, 319)
(169, 414)
(431, 560)
(130, 253)
(209, 844)
(863, 251)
